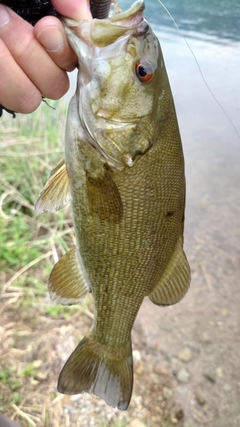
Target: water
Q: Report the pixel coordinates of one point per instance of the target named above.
(219, 19)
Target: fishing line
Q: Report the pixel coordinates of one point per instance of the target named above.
(200, 70)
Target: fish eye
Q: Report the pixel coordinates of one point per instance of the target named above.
(144, 71)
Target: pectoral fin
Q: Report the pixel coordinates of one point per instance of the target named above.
(104, 198)
(67, 284)
(56, 192)
(175, 280)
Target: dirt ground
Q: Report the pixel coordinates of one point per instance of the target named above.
(199, 338)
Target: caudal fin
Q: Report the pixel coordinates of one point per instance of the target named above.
(101, 370)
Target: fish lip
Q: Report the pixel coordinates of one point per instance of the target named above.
(134, 11)
(119, 25)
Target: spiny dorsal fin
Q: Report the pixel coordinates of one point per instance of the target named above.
(175, 280)
(66, 283)
(56, 192)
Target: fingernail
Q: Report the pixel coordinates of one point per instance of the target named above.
(51, 38)
(4, 16)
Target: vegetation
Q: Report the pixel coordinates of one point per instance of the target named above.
(30, 147)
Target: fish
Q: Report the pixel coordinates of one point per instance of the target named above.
(123, 173)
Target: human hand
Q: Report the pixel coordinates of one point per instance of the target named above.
(34, 60)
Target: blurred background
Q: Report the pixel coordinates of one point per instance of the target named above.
(187, 364)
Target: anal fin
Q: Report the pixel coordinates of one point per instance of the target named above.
(66, 283)
(175, 280)
(56, 192)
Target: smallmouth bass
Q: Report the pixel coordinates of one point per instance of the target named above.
(124, 174)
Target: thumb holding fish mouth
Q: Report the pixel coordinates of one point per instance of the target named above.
(50, 32)
(34, 60)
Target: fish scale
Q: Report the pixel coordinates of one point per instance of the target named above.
(124, 170)
(135, 271)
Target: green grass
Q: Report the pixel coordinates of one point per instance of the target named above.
(15, 241)
(5, 374)
(30, 146)
(60, 311)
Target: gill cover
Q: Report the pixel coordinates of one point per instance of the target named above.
(118, 58)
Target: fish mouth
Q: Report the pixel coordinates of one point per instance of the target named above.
(129, 18)
(105, 32)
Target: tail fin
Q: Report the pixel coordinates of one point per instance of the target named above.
(101, 370)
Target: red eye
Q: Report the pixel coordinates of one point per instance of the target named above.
(144, 71)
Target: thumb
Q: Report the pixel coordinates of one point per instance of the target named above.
(50, 33)
(74, 9)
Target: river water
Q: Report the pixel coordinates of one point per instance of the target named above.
(207, 320)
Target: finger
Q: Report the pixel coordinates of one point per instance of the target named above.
(74, 9)
(17, 92)
(50, 33)
(31, 57)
